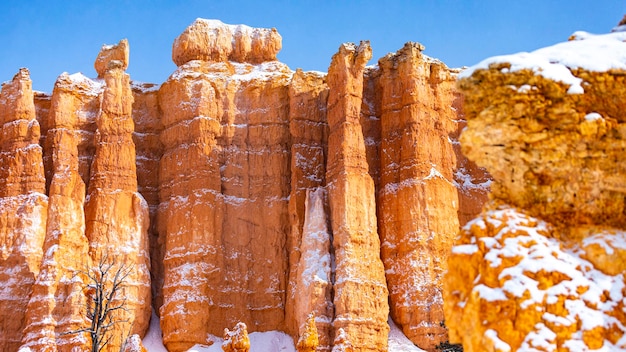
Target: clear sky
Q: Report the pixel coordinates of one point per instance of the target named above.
(54, 36)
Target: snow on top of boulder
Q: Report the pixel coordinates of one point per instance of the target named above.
(591, 52)
(214, 23)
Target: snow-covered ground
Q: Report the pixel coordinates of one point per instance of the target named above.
(271, 341)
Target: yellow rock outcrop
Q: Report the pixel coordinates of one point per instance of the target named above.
(541, 267)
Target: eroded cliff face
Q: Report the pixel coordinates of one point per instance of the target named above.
(240, 191)
(541, 268)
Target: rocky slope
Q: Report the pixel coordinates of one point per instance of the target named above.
(542, 267)
(241, 192)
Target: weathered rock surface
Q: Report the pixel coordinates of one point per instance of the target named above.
(133, 344)
(236, 340)
(116, 215)
(23, 206)
(212, 40)
(308, 95)
(112, 223)
(541, 268)
(55, 307)
(240, 190)
(119, 52)
(418, 198)
(309, 338)
(148, 150)
(361, 294)
(313, 278)
(226, 167)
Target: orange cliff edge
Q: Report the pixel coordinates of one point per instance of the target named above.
(241, 192)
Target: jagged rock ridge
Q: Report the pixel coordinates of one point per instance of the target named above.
(242, 192)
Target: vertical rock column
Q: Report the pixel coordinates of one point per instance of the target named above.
(190, 209)
(308, 96)
(361, 307)
(57, 304)
(116, 215)
(224, 183)
(149, 150)
(23, 206)
(418, 200)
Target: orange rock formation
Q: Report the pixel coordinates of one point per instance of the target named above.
(240, 190)
(418, 199)
(542, 267)
(23, 206)
(360, 299)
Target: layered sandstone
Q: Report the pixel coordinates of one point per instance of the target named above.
(241, 191)
(313, 284)
(225, 167)
(88, 121)
(540, 268)
(308, 96)
(418, 199)
(148, 152)
(116, 215)
(56, 304)
(23, 206)
(210, 40)
(360, 298)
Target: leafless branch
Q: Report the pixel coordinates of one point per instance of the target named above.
(106, 282)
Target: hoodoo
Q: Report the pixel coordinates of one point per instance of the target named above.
(240, 192)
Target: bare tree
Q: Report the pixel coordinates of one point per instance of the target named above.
(106, 303)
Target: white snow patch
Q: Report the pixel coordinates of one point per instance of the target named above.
(269, 341)
(153, 341)
(398, 342)
(593, 116)
(497, 343)
(259, 342)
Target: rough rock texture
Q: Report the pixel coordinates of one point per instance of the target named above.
(119, 52)
(56, 304)
(309, 339)
(226, 168)
(265, 194)
(236, 340)
(418, 198)
(308, 95)
(133, 344)
(148, 150)
(212, 40)
(360, 298)
(313, 278)
(542, 267)
(23, 206)
(112, 222)
(116, 215)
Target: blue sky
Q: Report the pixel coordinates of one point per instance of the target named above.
(50, 37)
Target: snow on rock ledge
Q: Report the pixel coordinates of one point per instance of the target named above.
(585, 51)
(212, 40)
